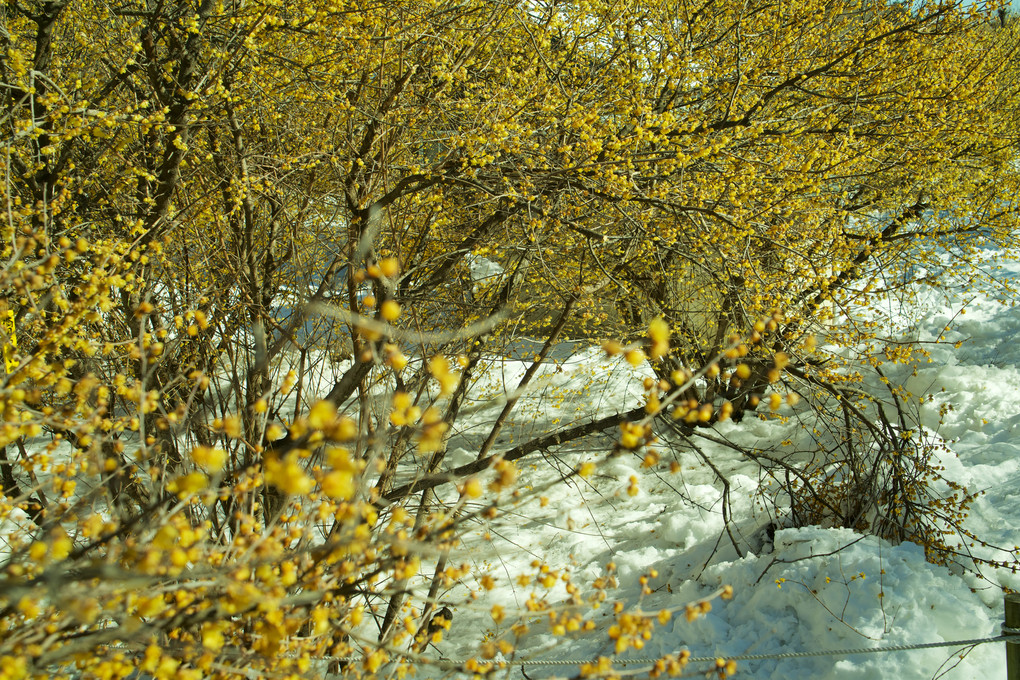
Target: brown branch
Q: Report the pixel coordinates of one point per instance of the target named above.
(540, 444)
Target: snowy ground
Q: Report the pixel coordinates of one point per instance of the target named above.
(800, 590)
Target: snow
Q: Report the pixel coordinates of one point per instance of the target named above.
(794, 590)
(799, 590)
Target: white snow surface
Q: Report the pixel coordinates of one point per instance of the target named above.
(802, 590)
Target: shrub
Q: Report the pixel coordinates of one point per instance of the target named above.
(239, 252)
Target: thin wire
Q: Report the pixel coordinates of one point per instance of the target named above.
(1012, 633)
(859, 650)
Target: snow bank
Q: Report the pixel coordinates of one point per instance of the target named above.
(801, 590)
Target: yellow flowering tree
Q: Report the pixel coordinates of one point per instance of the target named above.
(256, 255)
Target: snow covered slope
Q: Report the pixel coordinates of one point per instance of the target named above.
(795, 590)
